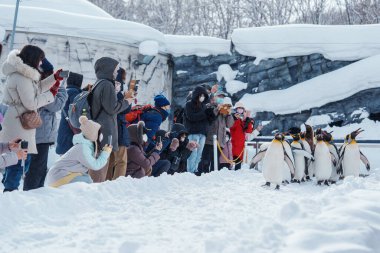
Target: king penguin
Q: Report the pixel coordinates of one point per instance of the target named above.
(323, 158)
(328, 139)
(301, 158)
(273, 161)
(350, 156)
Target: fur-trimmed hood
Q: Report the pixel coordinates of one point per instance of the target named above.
(14, 63)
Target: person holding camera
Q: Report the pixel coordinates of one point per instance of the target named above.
(105, 107)
(11, 153)
(46, 134)
(139, 163)
(223, 119)
(81, 158)
(25, 93)
(243, 125)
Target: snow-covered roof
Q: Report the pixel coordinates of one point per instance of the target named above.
(334, 42)
(72, 6)
(179, 45)
(318, 91)
(41, 20)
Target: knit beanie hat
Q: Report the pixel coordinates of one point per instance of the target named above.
(46, 66)
(89, 128)
(239, 105)
(160, 101)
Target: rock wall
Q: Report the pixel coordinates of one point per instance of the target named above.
(274, 74)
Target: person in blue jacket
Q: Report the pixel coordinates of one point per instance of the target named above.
(154, 117)
(65, 131)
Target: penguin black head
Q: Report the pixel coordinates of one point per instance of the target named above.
(318, 131)
(355, 133)
(327, 136)
(302, 135)
(279, 137)
(294, 130)
(319, 137)
(296, 137)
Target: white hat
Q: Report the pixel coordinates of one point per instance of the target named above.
(239, 105)
(89, 128)
(227, 101)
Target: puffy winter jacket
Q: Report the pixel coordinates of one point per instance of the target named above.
(47, 132)
(238, 131)
(196, 118)
(153, 119)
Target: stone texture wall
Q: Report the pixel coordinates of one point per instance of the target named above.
(274, 74)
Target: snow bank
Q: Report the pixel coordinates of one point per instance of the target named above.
(334, 42)
(149, 47)
(159, 215)
(178, 45)
(232, 86)
(72, 6)
(371, 130)
(318, 91)
(48, 21)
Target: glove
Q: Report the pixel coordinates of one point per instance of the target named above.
(192, 145)
(174, 145)
(56, 75)
(54, 88)
(247, 122)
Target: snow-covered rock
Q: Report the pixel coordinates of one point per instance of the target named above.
(318, 91)
(149, 47)
(341, 42)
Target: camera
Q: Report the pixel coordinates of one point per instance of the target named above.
(24, 145)
(64, 74)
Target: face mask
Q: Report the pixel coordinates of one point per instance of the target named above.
(145, 138)
(183, 139)
(201, 99)
(219, 101)
(101, 137)
(117, 87)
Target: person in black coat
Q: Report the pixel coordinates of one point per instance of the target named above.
(65, 131)
(179, 150)
(197, 117)
(118, 160)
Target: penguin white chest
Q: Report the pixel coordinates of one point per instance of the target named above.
(299, 163)
(351, 160)
(273, 163)
(323, 165)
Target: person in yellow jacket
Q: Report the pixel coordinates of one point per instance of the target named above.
(74, 165)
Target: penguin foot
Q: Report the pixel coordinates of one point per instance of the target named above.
(332, 182)
(285, 182)
(267, 184)
(327, 183)
(298, 181)
(319, 182)
(277, 187)
(303, 180)
(293, 181)
(308, 178)
(341, 177)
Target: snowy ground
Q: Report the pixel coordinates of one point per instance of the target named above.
(220, 212)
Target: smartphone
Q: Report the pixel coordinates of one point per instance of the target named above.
(24, 145)
(64, 74)
(110, 140)
(159, 139)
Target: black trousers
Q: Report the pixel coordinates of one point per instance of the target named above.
(207, 161)
(35, 177)
(238, 163)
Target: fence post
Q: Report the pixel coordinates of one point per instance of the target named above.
(215, 141)
(245, 153)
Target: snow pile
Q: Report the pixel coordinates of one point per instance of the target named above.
(159, 215)
(334, 42)
(330, 87)
(232, 86)
(178, 45)
(319, 120)
(40, 20)
(149, 47)
(371, 130)
(72, 6)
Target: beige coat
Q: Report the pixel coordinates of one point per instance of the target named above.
(24, 90)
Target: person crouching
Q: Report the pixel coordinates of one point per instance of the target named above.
(74, 165)
(140, 165)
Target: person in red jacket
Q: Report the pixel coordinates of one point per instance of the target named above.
(243, 125)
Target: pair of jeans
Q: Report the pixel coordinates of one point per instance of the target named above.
(13, 175)
(35, 178)
(196, 154)
(161, 166)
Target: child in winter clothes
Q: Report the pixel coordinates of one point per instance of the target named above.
(227, 153)
(82, 157)
(11, 154)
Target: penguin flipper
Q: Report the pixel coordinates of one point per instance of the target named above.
(257, 158)
(364, 159)
(333, 159)
(304, 153)
(289, 163)
(343, 149)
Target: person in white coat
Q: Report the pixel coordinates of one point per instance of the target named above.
(23, 91)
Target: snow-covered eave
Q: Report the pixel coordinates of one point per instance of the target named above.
(319, 91)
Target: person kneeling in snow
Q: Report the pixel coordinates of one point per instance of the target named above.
(139, 164)
(74, 165)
